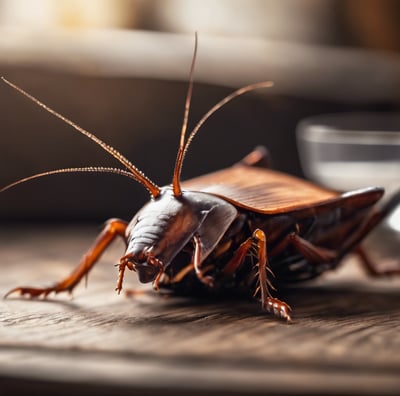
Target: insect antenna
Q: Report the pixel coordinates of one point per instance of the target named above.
(179, 158)
(88, 169)
(184, 146)
(133, 172)
(221, 103)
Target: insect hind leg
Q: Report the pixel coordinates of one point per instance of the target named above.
(369, 265)
(258, 241)
(373, 220)
(112, 229)
(371, 268)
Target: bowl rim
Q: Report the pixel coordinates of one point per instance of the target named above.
(331, 128)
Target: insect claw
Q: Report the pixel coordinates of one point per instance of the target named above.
(278, 308)
(11, 292)
(32, 292)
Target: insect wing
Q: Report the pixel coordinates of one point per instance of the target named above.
(261, 190)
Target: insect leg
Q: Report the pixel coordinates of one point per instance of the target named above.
(370, 266)
(122, 266)
(207, 280)
(113, 228)
(317, 254)
(182, 273)
(309, 251)
(269, 303)
(370, 222)
(259, 157)
(238, 258)
(259, 241)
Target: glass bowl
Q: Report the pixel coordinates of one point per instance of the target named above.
(347, 151)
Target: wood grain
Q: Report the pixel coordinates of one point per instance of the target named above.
(344, 339)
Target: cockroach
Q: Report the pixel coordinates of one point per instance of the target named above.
(246, 227)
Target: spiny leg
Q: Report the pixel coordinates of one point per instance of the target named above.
(269, 303)
(259, 242)
(113, 228)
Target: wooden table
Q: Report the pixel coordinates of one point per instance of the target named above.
(344, 339)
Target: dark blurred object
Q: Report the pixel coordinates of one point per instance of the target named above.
(372, 24)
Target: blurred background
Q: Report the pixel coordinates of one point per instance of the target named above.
(119, 68)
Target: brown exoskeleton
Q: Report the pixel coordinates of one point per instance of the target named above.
(228, 229)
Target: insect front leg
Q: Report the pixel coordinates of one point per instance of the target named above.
(113, 228)
(259, 241)
(207, 280)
